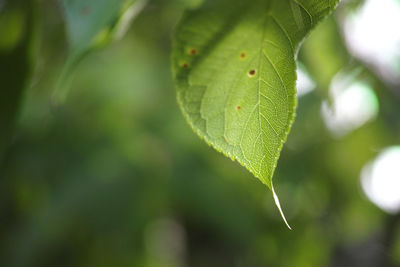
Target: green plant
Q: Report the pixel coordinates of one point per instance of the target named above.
(235, 71)
(234, 66)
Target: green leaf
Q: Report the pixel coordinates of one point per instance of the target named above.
(235, 72)
(91, 24)
(89, 21)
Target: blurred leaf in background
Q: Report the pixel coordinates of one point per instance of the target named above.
(91, 24)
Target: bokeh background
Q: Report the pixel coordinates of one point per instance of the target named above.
(114, 176)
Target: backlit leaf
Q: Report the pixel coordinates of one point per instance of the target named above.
(235, 72)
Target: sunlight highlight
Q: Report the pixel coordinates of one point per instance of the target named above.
(304, 82)
(354, 103)
(380, 180)
(372, 34)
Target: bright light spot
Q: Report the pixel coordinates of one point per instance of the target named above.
(372, 34)
(354, 103)
(304, 82)
(380, 180)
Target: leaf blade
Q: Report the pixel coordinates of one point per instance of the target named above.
(235, 71)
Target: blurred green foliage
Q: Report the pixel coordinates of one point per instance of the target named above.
(115, 177)
(17, 26)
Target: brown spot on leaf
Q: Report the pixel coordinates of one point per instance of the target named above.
(193, 51)
(238, 107)
(252, 73)
(243, 55)
(185, 65)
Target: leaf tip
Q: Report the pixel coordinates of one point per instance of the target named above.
(278, 204)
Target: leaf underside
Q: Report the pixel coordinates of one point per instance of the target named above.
(91, 24)
(235, 71)
(85, 19)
